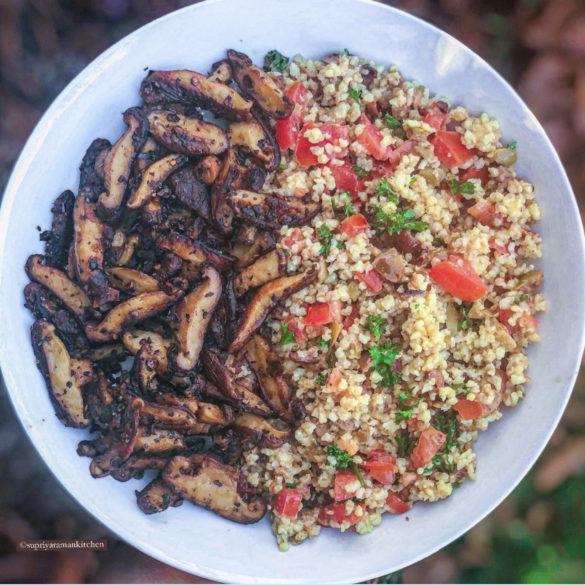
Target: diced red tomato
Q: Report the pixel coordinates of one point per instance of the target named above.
(336, 513)
(408, 478)
(288, 502)
(371, 279)
(397, 505)
(287, 130)
(429, 443)
(333, 381)
(483, 211)
(354, 225)
(332, 133)
(296, 328)
(449, 149)
(345, 179)
(381, 466)
(371, 139)
(318, 314)
(342, 479)
(469, 409)
(457, 276)
(335, 311)
(523, 321)
(295, 236)
(349, 319)
(434, 117)
(501, 248)
(395, 154)
(475, 173)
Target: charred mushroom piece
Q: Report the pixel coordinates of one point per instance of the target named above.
(247, 253)
(58, 239)
(183, 86)
(64, 375)
(60, 285)
(154, 345)
(265, 300)
(191, 192)
(207, 169)
(144, 369)
(194, 313)
(153, 177)
(156, 497)
(194, 252)
(123, 248)
(270, 212)
(118, 162)
(89, 252)
(126, 314)
(156, 441)
(131, 281)
(253, 138)
(91, 170)
(260, 86)
(221, 72)
(262, 430)
(226, 381)
(165, 416)
(265, 269)
(215, 486)
(186, 135)
(230, 175)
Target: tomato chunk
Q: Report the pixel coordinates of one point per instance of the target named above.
(342, 479)
(288, 502)
(287, 130)
(318, 314)
(381, 466)
(397, 505)
(429, 443)
(349, 319)
(332, 134)
(333, 381)
(523, 321)
(345, 179)
(396, 154)
(296, 328)
(483, 211)
(354, 225)
(469, 409)
(449, 149)
(371, 139)
(336, 513)
(475, 173)
(434, 117)
(457, 276)
(371, 279)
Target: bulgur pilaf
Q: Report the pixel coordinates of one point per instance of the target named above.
(397, 375)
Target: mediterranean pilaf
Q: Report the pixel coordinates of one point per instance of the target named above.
(308, 306)
(413, 337)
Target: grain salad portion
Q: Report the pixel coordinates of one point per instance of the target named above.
(411, 340)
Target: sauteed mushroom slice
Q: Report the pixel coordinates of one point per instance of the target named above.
(257, 84)
(254, 138)
(230, 174)
(153, 176)
(64, 375)
(60, 285)
(221, 72)
(165, 416)
(265, 300)
(118, 162)
(186, 135)
(144, 370)
(193, 252)
(226, 381)
(207, 169)
(262, 430)
(247, 253)
(157, 441)
(58, 238)
(131, 281)
(194, 313)
(156, 497)
(91, 170)
(185, 86)
(126, 314)
(265, 269)
(154, 345)
(215, 486)
(271, 212)
(192, 192)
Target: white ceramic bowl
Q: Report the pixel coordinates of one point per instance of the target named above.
(191, 538)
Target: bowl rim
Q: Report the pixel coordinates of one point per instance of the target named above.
(35, 142)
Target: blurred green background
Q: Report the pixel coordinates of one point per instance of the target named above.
(538, 534)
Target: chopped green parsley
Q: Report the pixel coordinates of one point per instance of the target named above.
(287, 337)
(275, 61)
(391, 121)
(360, 172)
(325, 235)
(376, 325)
(321, 379)
(383, 357)
(354, 94)
(383, 188)
(512, 145)
(458, 188)
(402, 219)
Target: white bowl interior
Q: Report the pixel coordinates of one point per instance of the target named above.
(194, 539)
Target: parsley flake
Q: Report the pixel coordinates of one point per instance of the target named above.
(383, 357)
(465, 308)
(320, 341)
(287, 337)
(338, 457)
(275, 61)
(412, 181)
(355, 94)
(512, 145)
(283, 166)
(376, 325)
(292, 484)
(391, 121)
(458, 188)
(325, 235)
(396, 222)
(383, 188)
(361, 173)
(321, 379)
